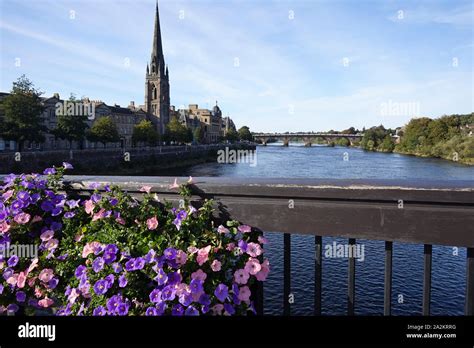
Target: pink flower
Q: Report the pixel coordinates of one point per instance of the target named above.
(38, 292)
(72, 296)
(199, 275)
(203, 255)
(52, 244)
(241, 276)
(262, 275)
(245, 228)
(13, 279)
(216, 266)
(217, 309)
(244, 293)
(146, 189)
(253, 266)
(262, 240)
(7, 195)
(32, 266)
(152, 223)
(78, 237)
(181, 257)
(47, 235)
(46, 302)
(90, 248)
(230, 246)
(46, 275)
(22, 218)
(254, 249)
(175, 184)
(190, 180)
(192, 250)
(222, 229)
(4, 227)
(89, 206)
(31, 282)
(99, 215)
(36, 218)
(21, 280)
(120, 221)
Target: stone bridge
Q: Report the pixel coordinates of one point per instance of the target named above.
(309, 137)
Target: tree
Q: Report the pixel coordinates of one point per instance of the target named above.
(198, 135)
(71, 127)
(175, 131)
(387, 144)
(244, 133)
(23, 114)
(145, 132)
(231, 135)
(104, 131)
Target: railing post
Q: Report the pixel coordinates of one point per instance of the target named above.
(387, 300)
(469, 310)
(286, 273)
(428, 249)
(351, 279)
(318, 259)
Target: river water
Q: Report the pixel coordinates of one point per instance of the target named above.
(449, 267)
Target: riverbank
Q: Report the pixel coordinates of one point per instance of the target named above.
(134, 161)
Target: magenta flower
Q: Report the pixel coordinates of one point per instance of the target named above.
(199, 274)
(241, 276)
(254, 249)
(253, 266)
(244, 293)
(46, 275)
(22, 218)
(216, 265)
(245, 229)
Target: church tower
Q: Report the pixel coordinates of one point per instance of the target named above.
(157, 86)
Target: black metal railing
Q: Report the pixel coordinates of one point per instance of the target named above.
(422, 212)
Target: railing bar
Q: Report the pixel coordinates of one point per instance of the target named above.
(470, 282)
(428, 250)
(286, 274)
(318, 267)
(387, 307)
(351, 281)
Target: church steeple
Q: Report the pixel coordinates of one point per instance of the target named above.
(157, 50)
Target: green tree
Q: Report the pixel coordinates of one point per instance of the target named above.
(23, 114)
(71, 127)
(231, 135)
(104, 131)
(145, 132)
(198, 135)
(244, 133)
(387, 144)
(175, 131)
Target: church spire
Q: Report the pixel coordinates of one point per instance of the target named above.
(157, 49)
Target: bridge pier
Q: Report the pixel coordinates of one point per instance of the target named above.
(307, 142)
(286, 142)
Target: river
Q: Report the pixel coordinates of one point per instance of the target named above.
(449, 267)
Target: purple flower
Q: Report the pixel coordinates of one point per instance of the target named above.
(113, 303)
(56, 226)
(196, 286)
(20, 296)
(191, 311)
(168, 293)
(229, 308)
(13, 261)
(69, 215)
(221, 292)
(98, 264)
(49, 171)
(170, 253)
(96, 197)
(242, 245)
(113, 202)
(100, 287)
(151, 311)
(110, 279)
(174, 278)
(1, 289)
(186, 299)
(99, 311)
(111, 249)
(161, 307)
(155, 296)
(67, 165)
(130, 265)
(204, 299)
(123, 281)
(109, 258)
(13, 308)
(23, 195)
(73, 204)
(80, 270)
(150, 256)
(139, 263)
(56, 211)
(122, 308)
(47, 206)
(179, 218)
(161, 277)
(177, 310)
(117, 267)
(53, 283)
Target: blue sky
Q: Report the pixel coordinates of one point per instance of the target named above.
(272, 65)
